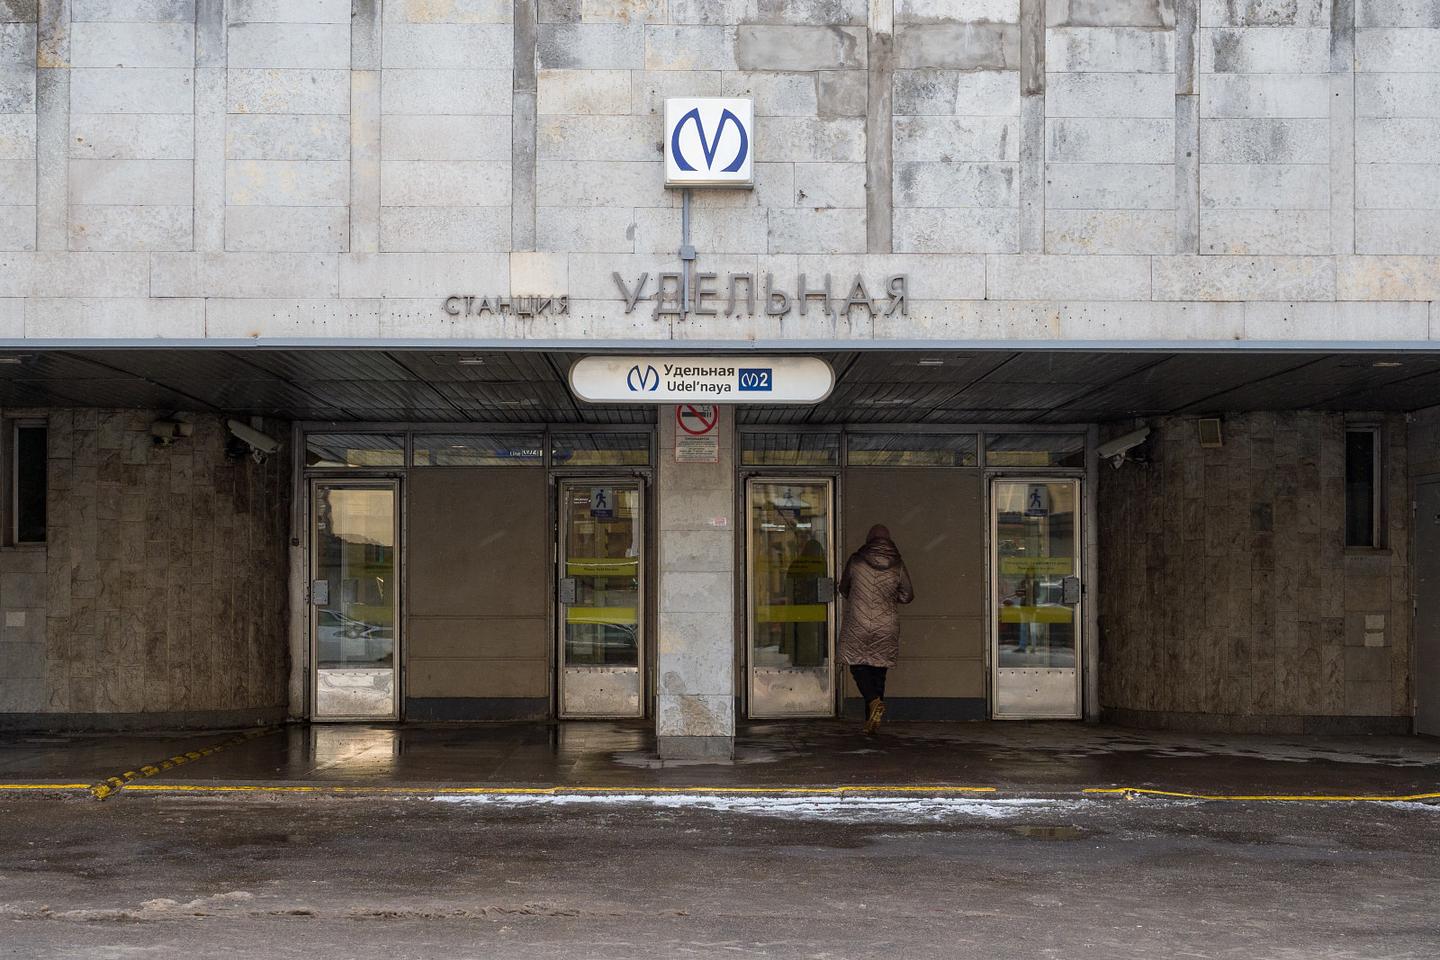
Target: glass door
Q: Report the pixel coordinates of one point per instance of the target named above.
(1035, 631)
(791, 598)
(354, 600)
(601, 594)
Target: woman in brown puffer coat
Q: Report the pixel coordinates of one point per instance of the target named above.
(874, 584)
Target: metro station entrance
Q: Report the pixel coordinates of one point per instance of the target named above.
(790, 537)
(601, 594)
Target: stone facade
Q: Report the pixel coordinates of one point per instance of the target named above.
(162, 586)
(1227, 597)
(1157, 170)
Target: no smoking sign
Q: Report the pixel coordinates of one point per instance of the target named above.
(697, 419)
(695, 439)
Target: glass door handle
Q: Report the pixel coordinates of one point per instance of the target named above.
(825, 590)
(1070, 591)
(320, 593)
(568, 589)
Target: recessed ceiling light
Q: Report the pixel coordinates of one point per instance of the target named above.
(1387, 363)
(12, 359)
(471, 361)
(931, 362)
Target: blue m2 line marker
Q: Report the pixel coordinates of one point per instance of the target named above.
(756, 379)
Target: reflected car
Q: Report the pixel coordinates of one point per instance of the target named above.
(342, 640)
(600, 644)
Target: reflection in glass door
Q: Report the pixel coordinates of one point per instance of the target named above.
(1035, 655)
(354, 600)
(791, 593)
(602, 538)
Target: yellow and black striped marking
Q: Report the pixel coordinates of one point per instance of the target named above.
(112, 785)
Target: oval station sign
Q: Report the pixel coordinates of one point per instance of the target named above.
(667, 379)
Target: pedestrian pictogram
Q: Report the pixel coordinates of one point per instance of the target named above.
(697, 419)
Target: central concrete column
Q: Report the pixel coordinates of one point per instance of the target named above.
(695, 674)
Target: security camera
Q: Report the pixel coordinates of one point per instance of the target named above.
(1115, 451)
(261, 446)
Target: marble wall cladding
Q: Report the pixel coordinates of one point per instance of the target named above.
(1227, 587)
(162, 587)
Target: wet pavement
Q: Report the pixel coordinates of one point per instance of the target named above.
(605, 878)
(1014, 758)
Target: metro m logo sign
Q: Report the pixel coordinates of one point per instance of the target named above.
(709, 142)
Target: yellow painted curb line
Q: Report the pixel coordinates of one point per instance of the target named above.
(44, 786)
(112, 785)
(541, 791)
(1130, 792)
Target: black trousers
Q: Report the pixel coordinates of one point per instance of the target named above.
(870, 680)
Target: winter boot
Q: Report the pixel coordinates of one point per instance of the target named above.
(877, 712)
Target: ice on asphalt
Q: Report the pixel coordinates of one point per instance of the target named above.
(842, 809)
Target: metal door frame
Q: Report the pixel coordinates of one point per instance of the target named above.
(992, 606)
(1415, 655)
(836, 686)
(312, 544)
(562, 552)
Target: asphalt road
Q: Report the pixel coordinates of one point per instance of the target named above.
(322, 877)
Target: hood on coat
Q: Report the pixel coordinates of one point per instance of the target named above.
(880, 553)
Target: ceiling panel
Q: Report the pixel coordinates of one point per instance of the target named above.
(53, 366)
(939, 366)
(1007, 394)
(306, 365)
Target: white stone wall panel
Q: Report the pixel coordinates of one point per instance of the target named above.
(131, 44)
(150, 226)
(449, 183)
(132, 90)
(1241, 232)
(959, 230)
(290, 11)
(445, 229)
(131, 182)
(1133, 95)
(1261, 186)
(287, 137)
(299, 229)
(287, 91)
(300, 46)
(132, 136)
(444, 92)
(1408, 50)
(173, 11)
(1109, 186)
(957, 139)
(436, 137)
(1109, 50)
(287, 183)
(1109, 231)
(1241, 95)
(690, 48)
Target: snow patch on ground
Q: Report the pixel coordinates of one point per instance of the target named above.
(839, 809)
